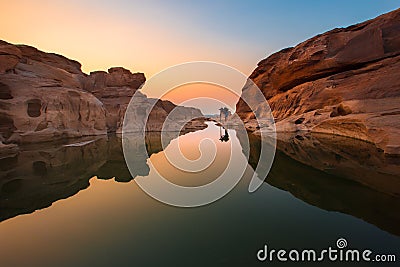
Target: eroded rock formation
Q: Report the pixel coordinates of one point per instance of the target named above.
(114, 89)
(343, 82)
(45, 96)
(42, 99)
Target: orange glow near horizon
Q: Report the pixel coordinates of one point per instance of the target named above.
(100, 39)
(208, 97)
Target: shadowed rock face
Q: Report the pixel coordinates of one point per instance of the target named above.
(342, 82)
(45, 96)
(336, 174)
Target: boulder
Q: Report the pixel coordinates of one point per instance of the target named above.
(37, 114)
(42, 99)
(164, 115)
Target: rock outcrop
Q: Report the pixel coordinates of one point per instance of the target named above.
(162, 115)
(343, 82)
(41, 98)
(45, 96)
(114, 89)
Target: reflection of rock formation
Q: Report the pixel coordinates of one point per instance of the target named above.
(41, 174)
(343, 82)
(345, 157)
(114, 165)
(45, 96)
(353, 177)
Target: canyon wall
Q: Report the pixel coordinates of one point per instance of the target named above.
(45, 96)
(342, 82)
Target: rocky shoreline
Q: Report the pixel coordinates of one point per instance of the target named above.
(45, 97)
(342, 82)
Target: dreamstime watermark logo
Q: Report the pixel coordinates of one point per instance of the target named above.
(138, 120)
(340, 253)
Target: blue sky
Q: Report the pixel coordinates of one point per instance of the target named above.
(151, 35)
(247, 30)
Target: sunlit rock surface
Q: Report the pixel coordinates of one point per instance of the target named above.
(45, 96)
(342, 82)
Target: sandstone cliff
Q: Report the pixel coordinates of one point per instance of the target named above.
(41, 97)
(114, 89)
(45, 96)
(343, 82)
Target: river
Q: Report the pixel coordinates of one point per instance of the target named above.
(76, 204)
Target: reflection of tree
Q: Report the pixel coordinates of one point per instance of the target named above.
(225, 136)
(332, 173)
(224, 111)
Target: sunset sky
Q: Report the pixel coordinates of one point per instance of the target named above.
(149, 36)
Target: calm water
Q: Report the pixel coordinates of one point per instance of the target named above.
(61, 205)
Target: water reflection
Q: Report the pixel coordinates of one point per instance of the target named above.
(41, 174)
(225, 136)
(115, 224)
(336, 174)
(332, 173)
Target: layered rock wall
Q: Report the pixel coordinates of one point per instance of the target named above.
(45, 96)
(343, 82)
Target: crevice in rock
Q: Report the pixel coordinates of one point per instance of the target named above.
(6, 125)
(33, 108)
(5, 91)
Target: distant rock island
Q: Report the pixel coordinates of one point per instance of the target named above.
(45, 96)
(343, 82)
